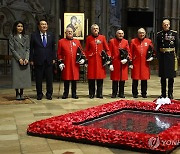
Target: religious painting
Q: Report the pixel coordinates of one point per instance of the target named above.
(76, 22)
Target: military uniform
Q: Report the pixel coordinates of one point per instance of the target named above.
(166, 52)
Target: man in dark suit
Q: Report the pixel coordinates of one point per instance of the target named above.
(42, 56)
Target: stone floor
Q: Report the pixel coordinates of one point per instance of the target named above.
(14, 119)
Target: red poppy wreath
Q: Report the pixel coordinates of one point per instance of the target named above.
(123, 124)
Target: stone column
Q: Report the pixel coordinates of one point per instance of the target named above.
(93, 4)
(53, 5)
(174, 15)
(132, 4)
(167, 8)
(146, 4)
(140, 4)
(68, 6)
(57, 20)
(104, 17)
(99, 12)
(81, 6)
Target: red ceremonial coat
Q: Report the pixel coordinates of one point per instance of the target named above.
(94, 47)
(120, 72)
(67, 50)
(138, 50)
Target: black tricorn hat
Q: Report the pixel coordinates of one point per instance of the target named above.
(123, 54)
(105, 58)
(149, 52)
(79, 55)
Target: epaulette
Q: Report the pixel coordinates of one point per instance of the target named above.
(173, 31)
(159, 32)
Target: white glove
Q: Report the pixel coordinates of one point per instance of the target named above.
(124, 61)
(61, 66)
(111, 68)
(81, 61)
(108, 62)
(131, 66)
(150, 59)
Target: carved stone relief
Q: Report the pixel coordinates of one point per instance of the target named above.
(7, 26)
(29, 22)
(36, 6)
(6, 19)
(1, 21)
(114, 21)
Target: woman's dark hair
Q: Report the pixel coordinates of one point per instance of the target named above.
(14, 30)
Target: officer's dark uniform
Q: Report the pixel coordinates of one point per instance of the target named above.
(166, 51)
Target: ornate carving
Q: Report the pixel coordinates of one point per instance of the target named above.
(10, 2)
(7, 28)
(114, 22)
(1, 21)
(36, 6)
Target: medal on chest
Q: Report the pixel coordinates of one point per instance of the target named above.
(98, 41)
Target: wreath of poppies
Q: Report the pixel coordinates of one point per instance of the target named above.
(69, 127)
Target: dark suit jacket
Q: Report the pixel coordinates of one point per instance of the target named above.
(38, 53)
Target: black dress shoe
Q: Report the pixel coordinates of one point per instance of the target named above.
(91, 96)
(18, 97)
(64, 97)
(75, 97)
(162, 96)
(135, 96)
(121, 96)
(99, 96)
(113, 96)
(144, 96)
(170, 96)
(49, 97)
(22, 97)
(39, 97)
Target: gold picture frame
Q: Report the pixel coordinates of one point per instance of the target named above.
(76, 22)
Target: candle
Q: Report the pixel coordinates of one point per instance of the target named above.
(87, 27)
(60, 27)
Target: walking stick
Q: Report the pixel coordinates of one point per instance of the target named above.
(59, 89)
(59, 84)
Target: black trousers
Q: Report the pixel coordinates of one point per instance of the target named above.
(170, 86)
(73, 87)
(135, 87)
(41, 71)
(19, 92)
(115, 85)
(91, 85)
